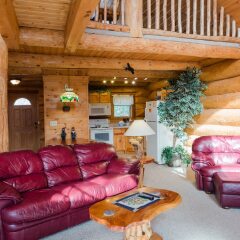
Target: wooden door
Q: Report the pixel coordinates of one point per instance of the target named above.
(23, 122)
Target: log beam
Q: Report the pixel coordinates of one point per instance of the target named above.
(8, 24)
(4, 141)
(78, 18)
(221, 70)
(55, 61)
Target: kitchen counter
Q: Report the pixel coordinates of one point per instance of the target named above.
(116, 126)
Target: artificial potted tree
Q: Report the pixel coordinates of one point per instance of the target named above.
(178, 110)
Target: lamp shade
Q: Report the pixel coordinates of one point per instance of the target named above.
(69, 96)
(139, 128)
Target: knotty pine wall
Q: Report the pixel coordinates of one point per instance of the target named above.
(54, 86)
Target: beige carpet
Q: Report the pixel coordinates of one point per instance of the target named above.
(199, 216)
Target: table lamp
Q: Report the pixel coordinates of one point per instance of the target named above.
(138, 130)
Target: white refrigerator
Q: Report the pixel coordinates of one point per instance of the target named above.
(163, 137)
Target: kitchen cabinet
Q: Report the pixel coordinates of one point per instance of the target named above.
(121, 142)
(102, 97)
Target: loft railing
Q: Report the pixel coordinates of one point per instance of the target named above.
(197, 17)
(110, 12)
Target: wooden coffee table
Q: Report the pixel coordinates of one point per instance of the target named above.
(135, 225)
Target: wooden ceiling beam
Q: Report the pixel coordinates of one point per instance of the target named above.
(78, 18)
(55, 61)
(9, 28)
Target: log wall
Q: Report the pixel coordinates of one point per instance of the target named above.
(78, 115)
(4, 141)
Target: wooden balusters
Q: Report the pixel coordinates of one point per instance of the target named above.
(208, 17)
(157, 14)
(123, 12)
(214, 17)
(234, 28)
(115, 5)
(165, 15)
(202, 26)
(221, 24)
(188, 16)
(105, 11)
(149, 14)
(228, 25)
(96, 17)
(173, 15)
(194, 16)
(180, 16)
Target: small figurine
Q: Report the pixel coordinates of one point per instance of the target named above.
(73, 134)
(63, 134)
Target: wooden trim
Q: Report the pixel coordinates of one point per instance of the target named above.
(191, 36)
(109, 27)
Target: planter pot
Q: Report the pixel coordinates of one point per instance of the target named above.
(176, 161)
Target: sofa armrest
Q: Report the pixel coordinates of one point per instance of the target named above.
(124, 166)
(197, 165)
(7, 192)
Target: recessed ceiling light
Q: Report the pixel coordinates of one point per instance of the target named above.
(145, 79)
(104, 81)
(115, 78)
(133, 82)
(125, 78)
(112, 81)
(15, 81)
(135, 78)
(126, 82)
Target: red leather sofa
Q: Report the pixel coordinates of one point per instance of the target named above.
(213, 154)
(45, 192)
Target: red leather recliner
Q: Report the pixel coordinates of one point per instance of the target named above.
(45, 192)
(211, 154)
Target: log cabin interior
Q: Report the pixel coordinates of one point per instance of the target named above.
(104, 49)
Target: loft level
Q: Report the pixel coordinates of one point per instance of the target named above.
(196, 19)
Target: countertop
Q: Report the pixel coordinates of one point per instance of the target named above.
(116, 126)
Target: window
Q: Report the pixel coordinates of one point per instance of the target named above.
(122, 105)
(122, 111)
(22, 102)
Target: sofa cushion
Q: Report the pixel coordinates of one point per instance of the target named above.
(23, 170)
(94, 169)
(116, 183)
(60, 165)
(94, 152)
(82, 193)
(210, 170)
(7, 192)
(38, 204)
(228, 182)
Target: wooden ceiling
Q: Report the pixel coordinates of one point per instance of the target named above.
(56, 28)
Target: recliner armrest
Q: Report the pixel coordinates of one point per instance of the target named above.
(124, 166)
(7, 192)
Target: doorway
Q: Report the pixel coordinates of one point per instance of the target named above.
(23, 122)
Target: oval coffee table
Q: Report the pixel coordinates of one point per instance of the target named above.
(135, 225)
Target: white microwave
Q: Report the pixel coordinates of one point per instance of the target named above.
(100, 109)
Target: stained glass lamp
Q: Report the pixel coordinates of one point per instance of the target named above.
(69, 96)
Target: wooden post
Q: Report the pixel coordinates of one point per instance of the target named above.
(149, 14)
(202, 8)
(214, 17)
(194, 16)
(227, 25)
(180, 16)
(238, 32)
(4, 141)
(134, 17)
(173, 15)
(209, 17)
(123, 12)
(165, 15)
(188, 17)
(221, 21)
(157, 14)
